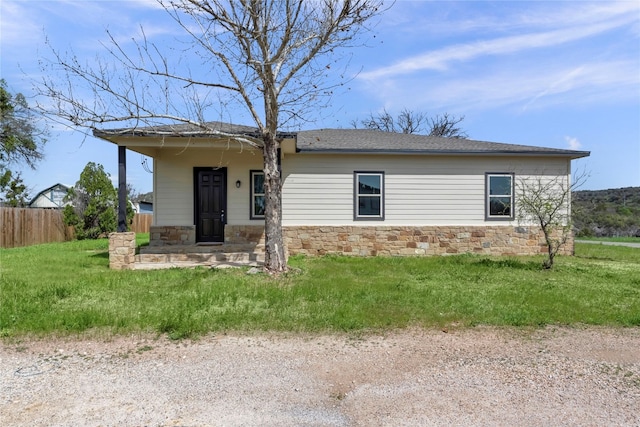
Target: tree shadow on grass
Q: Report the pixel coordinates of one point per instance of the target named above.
(509, 263)
(102, 255)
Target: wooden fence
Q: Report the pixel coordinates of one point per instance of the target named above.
(25, 227)
(142, 223)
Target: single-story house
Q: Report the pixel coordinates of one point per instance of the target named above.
(51, 198)
(350, 191)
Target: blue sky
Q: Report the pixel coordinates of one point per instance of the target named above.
(562, 74)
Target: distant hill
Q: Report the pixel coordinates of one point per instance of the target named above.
(607, 213)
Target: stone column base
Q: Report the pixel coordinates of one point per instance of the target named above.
(122, 250)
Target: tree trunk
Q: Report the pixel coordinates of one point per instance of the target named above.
(548, 263)
(275, 261)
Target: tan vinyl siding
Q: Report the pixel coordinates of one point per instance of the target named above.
(173, 195)
(318, 188)
(174, 187)
(419, 190)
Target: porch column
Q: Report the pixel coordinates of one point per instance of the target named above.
(122, 189)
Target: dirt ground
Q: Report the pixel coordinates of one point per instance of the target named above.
(477, 377)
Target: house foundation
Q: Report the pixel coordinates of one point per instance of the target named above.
(379, 240)
(244, 234)
(418, 241)
(165, 235)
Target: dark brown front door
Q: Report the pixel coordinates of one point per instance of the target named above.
(210, 203)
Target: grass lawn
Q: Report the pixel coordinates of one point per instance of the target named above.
(67, 288)
(611, 239)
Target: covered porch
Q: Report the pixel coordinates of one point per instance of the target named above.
(205, 195)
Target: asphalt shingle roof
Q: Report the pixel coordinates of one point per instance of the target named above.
(373, 141)
(363, 141)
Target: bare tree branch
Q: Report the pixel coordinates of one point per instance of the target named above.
(412, 122)
(446, 126)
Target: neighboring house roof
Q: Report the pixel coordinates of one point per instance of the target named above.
(379, 142)
(51, 197)
(362, 141)
(143, 207)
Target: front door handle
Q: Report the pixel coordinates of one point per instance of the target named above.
(222, 217)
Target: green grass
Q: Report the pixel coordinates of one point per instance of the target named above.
(608, 253)
(611, 239)
(67, 288)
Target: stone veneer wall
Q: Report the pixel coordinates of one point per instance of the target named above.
(122, 250)
(168, 235)
(244, 234)
(380, 240)
(164, 235)
(407, 241)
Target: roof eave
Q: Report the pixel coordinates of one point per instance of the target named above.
(571, 154)
(110, 135)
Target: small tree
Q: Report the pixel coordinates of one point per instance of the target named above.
(547, 202)
(413, 122)
(93, 204)
(14, 189)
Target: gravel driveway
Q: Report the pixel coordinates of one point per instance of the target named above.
(480, 376)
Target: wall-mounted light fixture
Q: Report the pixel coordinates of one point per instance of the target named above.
(238, 184)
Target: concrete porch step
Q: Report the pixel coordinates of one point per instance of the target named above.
(150, 261)
(202, 257)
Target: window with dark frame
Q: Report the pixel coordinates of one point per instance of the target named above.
(499, 201)
(368, 196)
(257, 194)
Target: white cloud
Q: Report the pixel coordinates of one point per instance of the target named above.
(573, 143)
(588, 82)
(19, 26)
(537, 55)
(523, 87)
(443, 59)
(147, 4)
(446, 18)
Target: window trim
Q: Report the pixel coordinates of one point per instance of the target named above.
(487, 197)
(356, 216)
(252, 194)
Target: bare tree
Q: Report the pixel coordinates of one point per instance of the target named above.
(272, 57)
(446, 126)
(547, 203)
(413, 122)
